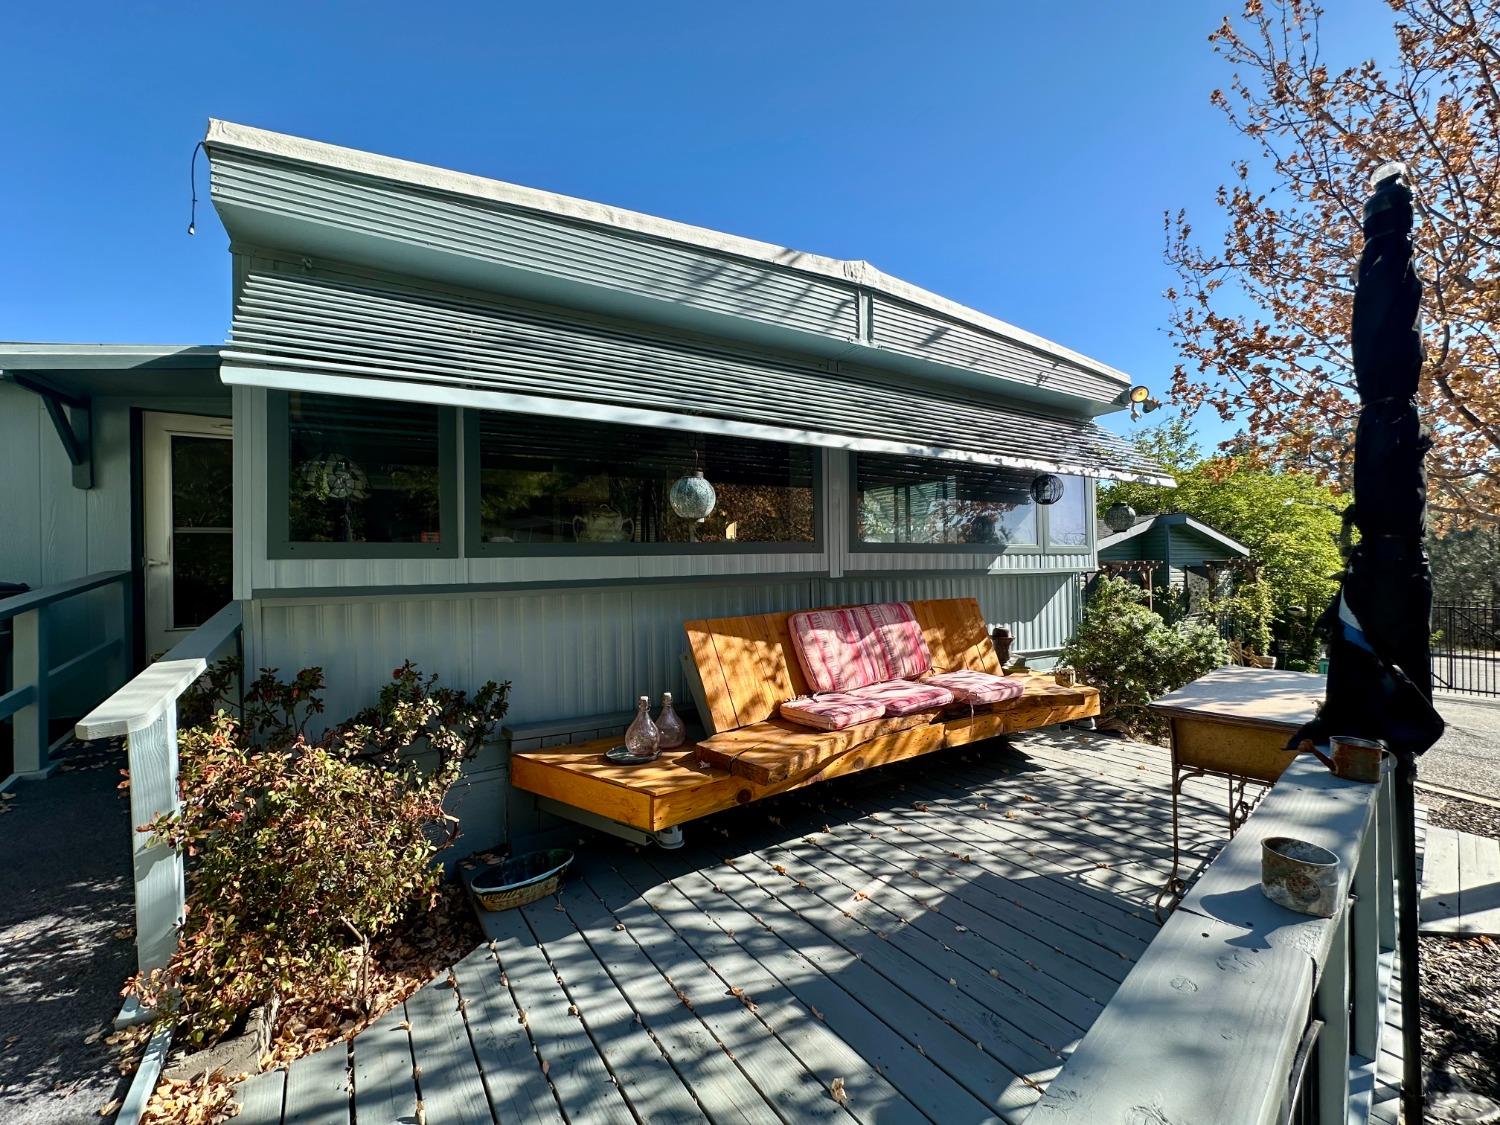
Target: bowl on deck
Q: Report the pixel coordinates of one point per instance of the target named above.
(522, 879)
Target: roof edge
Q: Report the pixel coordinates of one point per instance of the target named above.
(17, 355)
(246, 138)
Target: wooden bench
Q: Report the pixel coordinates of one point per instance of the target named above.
(746, 667)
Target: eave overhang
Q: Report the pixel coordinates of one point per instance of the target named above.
(304, 197)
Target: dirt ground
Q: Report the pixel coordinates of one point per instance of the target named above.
(1461, 977)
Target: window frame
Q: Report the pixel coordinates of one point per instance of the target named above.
(1043, 545)
(280, 545)
(476, 547)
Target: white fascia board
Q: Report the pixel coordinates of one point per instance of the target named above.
(245, 138)
(23, 356)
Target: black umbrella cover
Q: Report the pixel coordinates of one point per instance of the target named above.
(1378, 625)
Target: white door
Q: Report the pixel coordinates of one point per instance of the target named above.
(187, 511)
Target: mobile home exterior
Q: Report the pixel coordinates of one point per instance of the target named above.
(458, 411)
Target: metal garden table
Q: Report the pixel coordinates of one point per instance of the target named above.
(1233, 723)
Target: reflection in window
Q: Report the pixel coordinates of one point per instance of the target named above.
(1068, 519)
(362, 471)
(550, 481)
(918, 500)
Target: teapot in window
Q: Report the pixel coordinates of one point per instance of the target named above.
(603, 525)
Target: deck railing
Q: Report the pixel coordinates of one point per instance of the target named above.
(144, 712)
(1242, 1012)
(35, 679)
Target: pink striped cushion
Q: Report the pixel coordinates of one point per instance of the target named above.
(895, 629)
(903, 697)
(834, 649)
(831, 712)
(977, 687)
(843, 649)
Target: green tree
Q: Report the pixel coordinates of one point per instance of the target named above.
(1288, 520)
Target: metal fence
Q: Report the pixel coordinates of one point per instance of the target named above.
(1466, 647)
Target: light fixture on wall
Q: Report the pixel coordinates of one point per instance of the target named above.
(1046, 488)
(1119, 516)
(1142, 402)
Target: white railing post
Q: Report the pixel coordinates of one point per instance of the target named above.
(31, 666)
(144, 711)
(1331, 1005)
(1385, 836)
(1365, 947)
(159, 884)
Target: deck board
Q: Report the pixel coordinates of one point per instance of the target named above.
(317, 1088)
(933, 939)
(385, 1090)
(1460, 883)
(642, 1071)
(513, 1079)
(447, 1072)
(568, 1058)
(260, 1099)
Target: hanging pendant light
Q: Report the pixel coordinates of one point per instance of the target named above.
(692, 497)
(1119, 516)
(1047, 488)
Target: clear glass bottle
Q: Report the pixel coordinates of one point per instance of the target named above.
(673, 733)
(642, 738)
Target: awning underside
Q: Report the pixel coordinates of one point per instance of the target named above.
(340, 336)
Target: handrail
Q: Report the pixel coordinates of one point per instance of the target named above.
(146, 698)
(1207, 1026)
(30, 703)
(144, 711)
(61, 591)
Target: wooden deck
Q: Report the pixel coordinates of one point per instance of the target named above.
(1460, 884)
(925, 942)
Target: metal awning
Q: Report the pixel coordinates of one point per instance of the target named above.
(350, 336)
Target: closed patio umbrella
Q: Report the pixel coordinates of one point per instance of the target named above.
(1379, 661)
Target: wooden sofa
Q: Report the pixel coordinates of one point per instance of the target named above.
(746, 667)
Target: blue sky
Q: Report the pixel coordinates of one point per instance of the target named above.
(1016, 157)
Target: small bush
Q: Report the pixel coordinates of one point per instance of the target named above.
(1132, 656)
(301, 853)
(1245, 614)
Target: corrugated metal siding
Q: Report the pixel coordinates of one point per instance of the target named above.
(305, 326)
(928, 335)
(1005, 562)
(548, 245)
(582, 652)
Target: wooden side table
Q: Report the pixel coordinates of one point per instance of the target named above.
(1233, 723)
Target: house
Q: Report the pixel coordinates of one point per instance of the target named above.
(1171, 550)
(511, 435)
(463, 422)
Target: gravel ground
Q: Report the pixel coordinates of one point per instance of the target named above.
(65, 941)
(1467, 757)
(1461, 979)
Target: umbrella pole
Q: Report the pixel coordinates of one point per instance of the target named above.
(1406, 940)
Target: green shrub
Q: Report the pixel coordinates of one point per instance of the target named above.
(1132, 656)
(1245, 614)
(301, 854)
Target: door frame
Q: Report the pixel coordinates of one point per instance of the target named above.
(157, 428)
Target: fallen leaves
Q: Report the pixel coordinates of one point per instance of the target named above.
(743, 997)
(836, 1088)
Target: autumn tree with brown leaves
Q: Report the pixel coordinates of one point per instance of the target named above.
(1261, 321)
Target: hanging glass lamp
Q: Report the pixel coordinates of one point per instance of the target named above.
(692, 497)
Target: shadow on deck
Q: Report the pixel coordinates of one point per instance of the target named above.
(925, 942)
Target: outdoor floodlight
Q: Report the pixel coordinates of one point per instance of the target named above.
(1142, 402)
